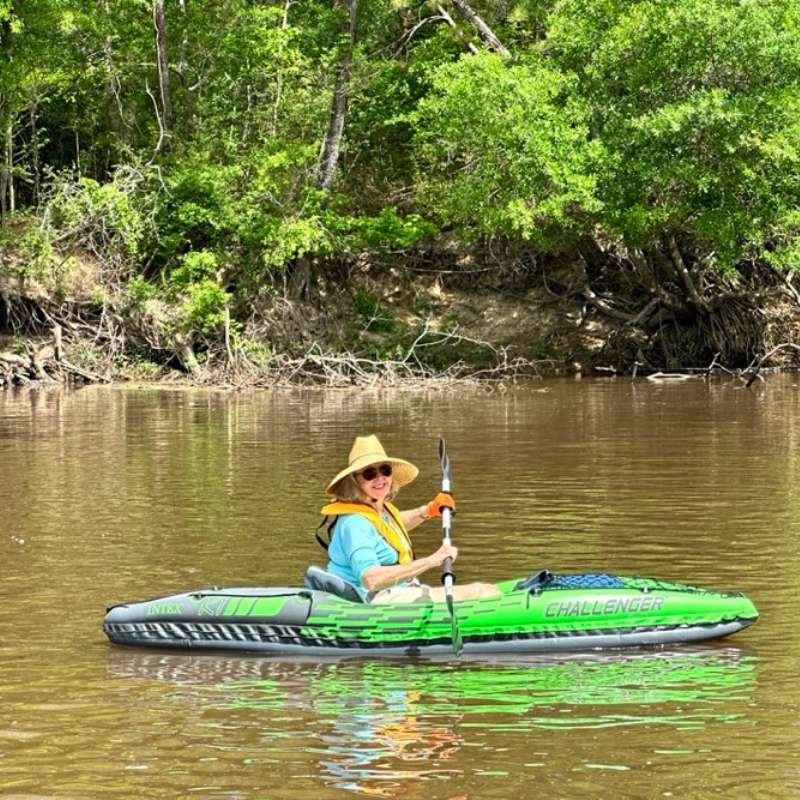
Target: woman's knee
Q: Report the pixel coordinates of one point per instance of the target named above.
(476, 591)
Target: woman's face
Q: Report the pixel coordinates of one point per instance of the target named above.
(375, 481)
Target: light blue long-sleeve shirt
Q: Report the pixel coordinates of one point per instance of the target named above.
(356, 546)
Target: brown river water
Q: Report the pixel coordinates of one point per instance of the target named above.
(113, 494)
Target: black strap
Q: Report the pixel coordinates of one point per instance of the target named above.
(322, 543)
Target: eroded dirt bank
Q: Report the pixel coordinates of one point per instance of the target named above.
(439, 314)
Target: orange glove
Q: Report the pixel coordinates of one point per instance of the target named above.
(442, 500)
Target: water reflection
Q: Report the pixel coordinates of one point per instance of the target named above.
(386, 728)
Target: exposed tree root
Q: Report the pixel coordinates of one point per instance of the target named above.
(56, 336)
(44, 363)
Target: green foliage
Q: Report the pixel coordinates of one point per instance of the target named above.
(504, 149)
(139, 291)
(697, 105)
(624, 121)
(256, 352)
(196, 266)
(9, 23)
(292, 238)
(783, 251)
(97, 295)
(204, 306)
(388, 229)
(200, 209)
(143, 368)
(109, 219)
(36, 252)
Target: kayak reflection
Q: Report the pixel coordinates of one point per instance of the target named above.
(386, 728)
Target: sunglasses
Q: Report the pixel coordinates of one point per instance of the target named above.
(370, 473)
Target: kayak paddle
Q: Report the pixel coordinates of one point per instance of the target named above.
(448, 578)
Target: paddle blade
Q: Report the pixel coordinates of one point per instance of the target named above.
(445, 462)
(455, 633)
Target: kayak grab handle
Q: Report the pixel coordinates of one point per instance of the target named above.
(535, 582)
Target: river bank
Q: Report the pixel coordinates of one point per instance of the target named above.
(367, 324)
(432, 316)
(437, 314)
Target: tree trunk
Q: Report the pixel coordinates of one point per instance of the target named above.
(331, 147)
(5, 176)
(160, 23)
(186, 355)
(279, 76)
(182, 62)
(36, 166)
(688, 281)
(116, 114)
(484, 31)
(10, 204)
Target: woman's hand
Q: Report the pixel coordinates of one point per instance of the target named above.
(445, 551)
(442, 500)
(415, 516)
(380, 577)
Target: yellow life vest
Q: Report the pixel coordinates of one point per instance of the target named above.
(397, 537)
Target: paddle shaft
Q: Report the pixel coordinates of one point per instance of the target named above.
(447, 566)
(448, 579)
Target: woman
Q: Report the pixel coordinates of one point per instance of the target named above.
(370, 547)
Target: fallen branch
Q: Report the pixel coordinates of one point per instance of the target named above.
(765, 358)
(471, 46)
(84, 374)
(13, 360)
(335, 369)
(43, 363)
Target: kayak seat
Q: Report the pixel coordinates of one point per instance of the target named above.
(324, 581)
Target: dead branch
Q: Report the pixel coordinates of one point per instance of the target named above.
(670, 376)
(471, 46)
(486, 34)
(161, 129)
(407, 37)
(765, 358)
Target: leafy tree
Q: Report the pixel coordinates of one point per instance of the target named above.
(697, 107)
(503, 149)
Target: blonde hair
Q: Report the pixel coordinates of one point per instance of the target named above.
(347, 490)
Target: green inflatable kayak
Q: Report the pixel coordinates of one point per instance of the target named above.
(540, 613)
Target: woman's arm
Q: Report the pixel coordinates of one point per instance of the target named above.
(376, 578)
(413, 517)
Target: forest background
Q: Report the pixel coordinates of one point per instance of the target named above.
(363, 190)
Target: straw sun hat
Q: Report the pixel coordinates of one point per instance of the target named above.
(368, 450)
